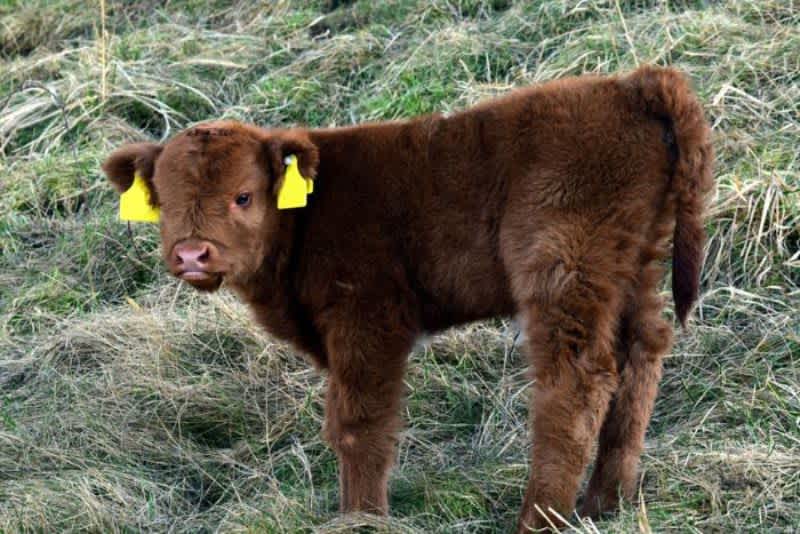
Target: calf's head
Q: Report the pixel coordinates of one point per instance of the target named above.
(216, 186)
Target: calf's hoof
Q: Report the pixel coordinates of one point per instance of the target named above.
(536, 522)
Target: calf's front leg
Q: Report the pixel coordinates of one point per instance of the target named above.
(363, 400)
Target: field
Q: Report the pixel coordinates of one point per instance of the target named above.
(130, 403)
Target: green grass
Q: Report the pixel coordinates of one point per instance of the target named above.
(129, 403)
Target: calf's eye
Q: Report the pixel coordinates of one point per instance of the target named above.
(243, 200)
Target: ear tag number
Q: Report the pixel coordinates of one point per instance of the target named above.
(134, 204)
(295, 189)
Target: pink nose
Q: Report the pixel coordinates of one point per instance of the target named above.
(193, 255)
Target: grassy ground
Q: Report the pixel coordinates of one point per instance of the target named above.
(127, 402)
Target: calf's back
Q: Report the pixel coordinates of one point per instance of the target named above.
(417, 208)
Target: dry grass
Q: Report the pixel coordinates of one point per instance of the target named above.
(129, 403)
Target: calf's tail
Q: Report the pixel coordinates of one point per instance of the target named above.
(666, 95)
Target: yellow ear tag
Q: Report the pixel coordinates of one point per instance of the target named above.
(295, 189)
(134, 203)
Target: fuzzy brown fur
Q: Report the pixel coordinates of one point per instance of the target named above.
(556, 202)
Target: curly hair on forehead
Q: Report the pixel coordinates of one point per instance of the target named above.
(206, 131)
(201, 136)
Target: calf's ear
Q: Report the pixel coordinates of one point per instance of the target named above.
(287, 143)
(128, 160)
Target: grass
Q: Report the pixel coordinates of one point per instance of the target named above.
(128, 402)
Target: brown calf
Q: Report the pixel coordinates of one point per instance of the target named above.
(555, 202)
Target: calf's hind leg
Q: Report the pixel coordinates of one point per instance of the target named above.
(645, 337)
(572, 299)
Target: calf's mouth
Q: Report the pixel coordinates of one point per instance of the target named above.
(202, 280)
